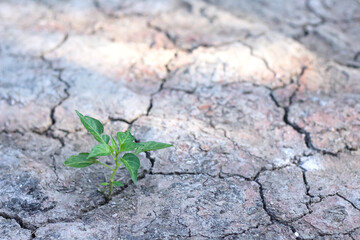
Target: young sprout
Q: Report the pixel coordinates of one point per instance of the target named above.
(125, 143)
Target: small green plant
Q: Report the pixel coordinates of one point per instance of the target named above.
(126, 142)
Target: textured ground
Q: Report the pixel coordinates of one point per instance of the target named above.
(260, 98)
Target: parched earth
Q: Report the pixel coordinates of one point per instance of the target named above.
(261, 100)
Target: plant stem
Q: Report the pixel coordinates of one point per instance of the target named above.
(111, 181)
(105, 165)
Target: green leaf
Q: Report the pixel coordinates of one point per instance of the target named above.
(100, 150)
(150, 146)
(128, 146)
(124, 137)
(132, 164)
(79, 161)
(114, 144)
(104, 184)
(126, 141)
(93, 125)
(105, 138)
(118, 184)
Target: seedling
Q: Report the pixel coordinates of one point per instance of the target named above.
(126, 143)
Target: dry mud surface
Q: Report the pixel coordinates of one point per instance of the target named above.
(261, 100)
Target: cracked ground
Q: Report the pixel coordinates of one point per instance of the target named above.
(261, 100)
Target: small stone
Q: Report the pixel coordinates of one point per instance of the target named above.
(205, 148)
